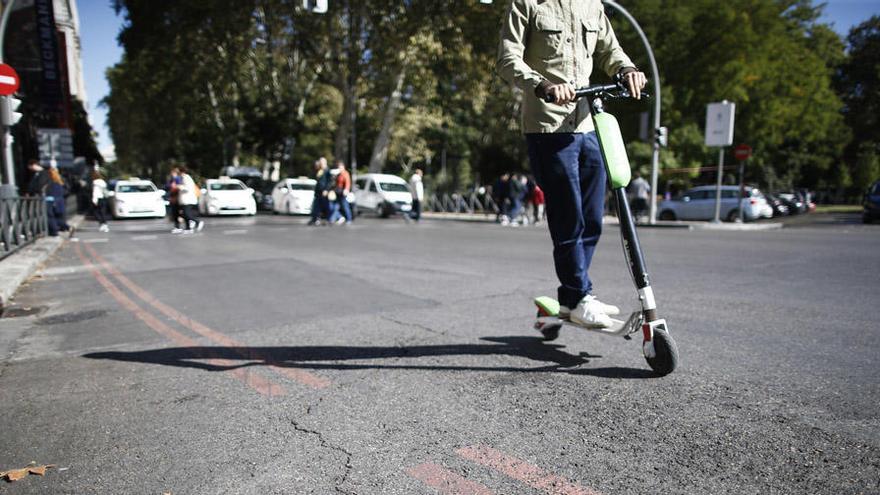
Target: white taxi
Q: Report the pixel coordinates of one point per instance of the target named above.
(136, 198)
(225, 196)
(293, 196)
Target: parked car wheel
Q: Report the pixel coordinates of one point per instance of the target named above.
(733, 215)
(667, 215)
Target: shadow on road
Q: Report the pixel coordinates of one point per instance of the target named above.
(335, 357)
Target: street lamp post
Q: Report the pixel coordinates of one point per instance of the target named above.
(655, 75)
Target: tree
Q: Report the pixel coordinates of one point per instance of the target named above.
(858, 82)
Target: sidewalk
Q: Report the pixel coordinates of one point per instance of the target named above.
(612, 220)
(18, 267)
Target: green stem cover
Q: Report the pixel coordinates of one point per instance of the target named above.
(613, 150)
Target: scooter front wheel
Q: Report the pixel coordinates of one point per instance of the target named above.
(665, 359)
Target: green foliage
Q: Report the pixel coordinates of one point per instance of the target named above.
(211, 83)
(858, 81)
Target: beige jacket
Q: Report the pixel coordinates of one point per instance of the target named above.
(558, 41)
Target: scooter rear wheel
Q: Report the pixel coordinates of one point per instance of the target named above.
(550, 331)
(666, 359)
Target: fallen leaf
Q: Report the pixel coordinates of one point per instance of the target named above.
(40, 470)
(16, 474)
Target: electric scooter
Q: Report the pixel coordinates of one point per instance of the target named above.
(658, 346)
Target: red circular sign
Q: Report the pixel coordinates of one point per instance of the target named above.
(8, 80)
(742, 152)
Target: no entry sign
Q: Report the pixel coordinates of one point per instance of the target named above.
(742, 152)
(8, 80)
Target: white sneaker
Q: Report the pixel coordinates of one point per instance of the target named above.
(200, 226)
(608, 309)
(104, 228)
(589, 313)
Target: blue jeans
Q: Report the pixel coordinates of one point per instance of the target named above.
(345, 208)
(570, 170)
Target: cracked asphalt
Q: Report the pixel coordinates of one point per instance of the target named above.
(266, 357)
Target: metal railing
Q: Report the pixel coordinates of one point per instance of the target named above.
(22, 220)
(472, 203)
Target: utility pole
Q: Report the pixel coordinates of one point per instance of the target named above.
(655, 77)
(7, 189)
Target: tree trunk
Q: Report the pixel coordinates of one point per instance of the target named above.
(343, 129)
(383, 140)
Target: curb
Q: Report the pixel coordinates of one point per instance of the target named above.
(18, 267)
(739, 226)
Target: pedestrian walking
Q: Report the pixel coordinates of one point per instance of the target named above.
(56, 209)
(417, 188)
(501, 193)
(39, 179)
(99, 200)
(547, 49)
(538, 203)
(640, 195)
(322, 180)
(189, 202)
(342, 190)
(517, 193)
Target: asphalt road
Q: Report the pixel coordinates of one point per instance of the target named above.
(262, 356)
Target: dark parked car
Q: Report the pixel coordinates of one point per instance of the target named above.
(794, 201)
(262, 190)
(780, 209)
(871, 203)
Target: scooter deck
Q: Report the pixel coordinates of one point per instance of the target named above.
(548, 316)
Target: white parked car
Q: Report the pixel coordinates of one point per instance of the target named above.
(225, 196)
(383, 194)
(293, 196)
(698, 203)
(136, 198)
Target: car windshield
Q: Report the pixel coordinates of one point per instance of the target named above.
(302, 187)
(226, 186)
(393, 187)
(135, 188)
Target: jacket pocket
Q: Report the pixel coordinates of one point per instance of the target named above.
(591, 35)
(548, 36)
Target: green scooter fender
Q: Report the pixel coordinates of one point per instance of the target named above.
(613, 150)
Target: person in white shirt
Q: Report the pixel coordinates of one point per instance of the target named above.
(418, 193)
(187, 200)
(99, 200)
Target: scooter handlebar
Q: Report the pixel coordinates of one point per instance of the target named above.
(605, 91)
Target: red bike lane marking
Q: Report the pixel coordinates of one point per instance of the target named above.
(253, 380)
(300, 376)
(523, 471)
(445, 481)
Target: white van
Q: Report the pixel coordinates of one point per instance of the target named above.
(383, 194)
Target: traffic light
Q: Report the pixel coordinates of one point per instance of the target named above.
(661, 135)
(8, 114)
(316, 6)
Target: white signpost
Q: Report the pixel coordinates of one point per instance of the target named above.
(719, 133)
